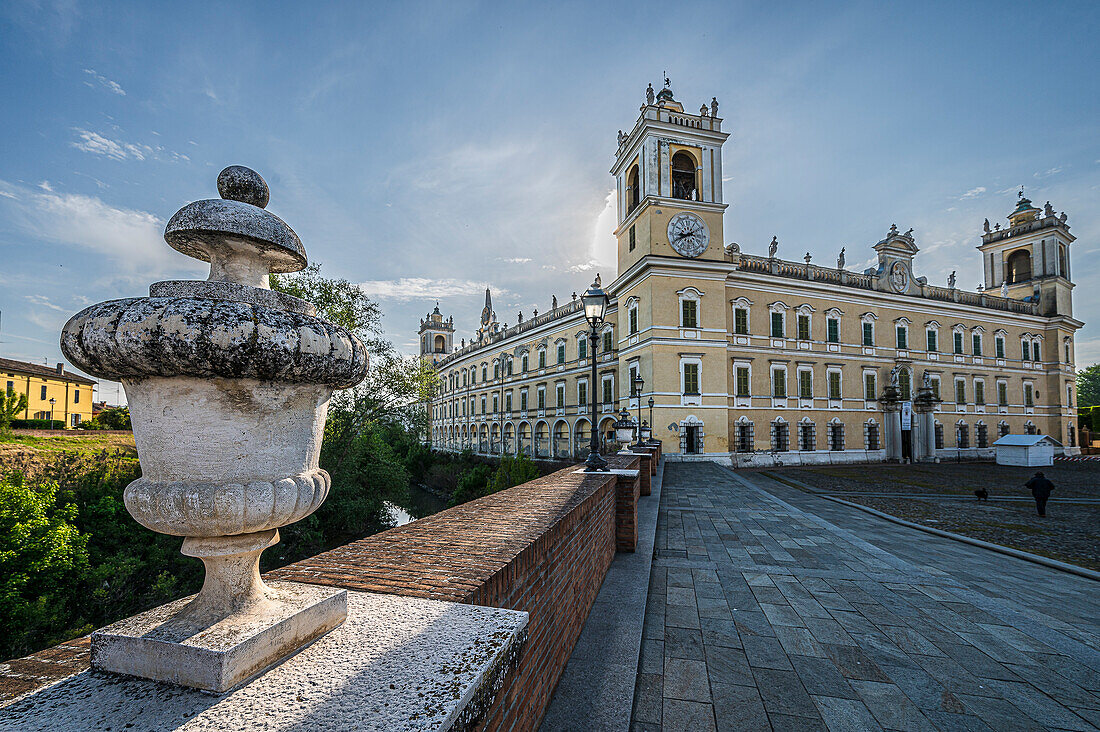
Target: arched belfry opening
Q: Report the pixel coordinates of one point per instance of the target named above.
(1019, 266)
(683, 177)
(633, 194)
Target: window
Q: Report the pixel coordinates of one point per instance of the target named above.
(962, 435)
(484, 372)
(561, 353)
(999, 345)
(1002, 429)
(11, 386)
(1036, 354)
(836, 436)
(523, 400)
(871, 432)
(931, 338)
(691, 379)
(744, 437)
(483, 404)
(74, 420)
(979, 392)
(1019, 266)
(76, 396)
(803, 327)
(777, 325)
(958, 341)
(903, 337)
(938, 431)
(960, 391)
(542, 358)
(1025, 351)
(560, 395)
(608, 391)
(607, 344)
(633, 320)
(43, 392)
(868, 334)
(779, 383)
(869, 386)
(582, 393)
(781, 437)
(981, 432)
(582, 348)
(742, 381)
(634, 194)
(523, 363)
(508, 402)
(741, 321)
(683, 177)
(1069, 353)
(496, 403)
(542, 397)
(690, 311)
(832, 326)
(807, 437)
(496, 370)
(976, 343)
(1002, 394)
(1029, 395)
(805, 384)
(834, 385)
(904, 385)
(632, 239)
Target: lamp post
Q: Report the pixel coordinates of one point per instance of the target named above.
(52, 402)
(650, 419)
(637, 384)
(595, 302)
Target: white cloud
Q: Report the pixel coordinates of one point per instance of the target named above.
(111, 86)
(97, 144)
(1050, 171)
(415, 288)
(43, 301)
(973, 192)
(513, 260)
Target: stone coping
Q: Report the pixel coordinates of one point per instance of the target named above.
(398, 663)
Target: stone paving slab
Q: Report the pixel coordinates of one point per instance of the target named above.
(770, 608)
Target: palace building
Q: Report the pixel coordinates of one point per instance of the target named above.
(761, 360)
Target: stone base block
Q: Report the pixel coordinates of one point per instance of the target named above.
(166, 644)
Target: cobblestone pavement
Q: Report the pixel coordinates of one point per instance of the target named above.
(781, 610)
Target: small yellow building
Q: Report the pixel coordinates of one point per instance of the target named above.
(71, 394)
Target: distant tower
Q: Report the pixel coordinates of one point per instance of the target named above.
(436, 337)
(489, 325)
(1031, 255)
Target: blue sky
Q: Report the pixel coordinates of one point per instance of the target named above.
(429, 149)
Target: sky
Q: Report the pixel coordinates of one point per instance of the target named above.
(428, 150)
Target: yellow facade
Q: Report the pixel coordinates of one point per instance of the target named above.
(72, 394)
(757, 359)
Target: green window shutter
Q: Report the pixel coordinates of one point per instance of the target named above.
(999, 344)
(582, 394)
(561, 353)
(960, 392)
(561, 395)
(777, 325)
(607, 392)
(633, 320)
(976, 343)
(833, 326)
(903, 338)
(582, 348)
(931, 338)
(958, 338)
(632, 238)
(868, 386)
(741, 321)
(542, 359)
(979, 392)
(742, 381)
(1025, 349)
(607, 344)
(903, 382)
(805, 385)
(1002, 394)
(691, 378)
(779, 383)
(803, 327)
(868, 334)
(542, 398)
(834, 385)
(690, 313)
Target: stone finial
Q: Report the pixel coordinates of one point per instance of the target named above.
(228, 386)
(808, 257)
(893, 230)
(574, 295)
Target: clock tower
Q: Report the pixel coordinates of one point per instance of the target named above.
(668, 173)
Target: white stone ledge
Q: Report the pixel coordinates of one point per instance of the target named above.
(397, 663)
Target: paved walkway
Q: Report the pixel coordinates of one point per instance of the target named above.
(773, 608)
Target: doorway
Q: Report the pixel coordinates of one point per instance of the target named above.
(691, 439)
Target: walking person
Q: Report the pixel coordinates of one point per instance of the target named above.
(1040, 488)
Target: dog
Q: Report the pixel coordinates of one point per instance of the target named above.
(982, 494)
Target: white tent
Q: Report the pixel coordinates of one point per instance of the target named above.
(1029, 450)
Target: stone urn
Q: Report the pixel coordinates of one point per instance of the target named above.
(228, 385)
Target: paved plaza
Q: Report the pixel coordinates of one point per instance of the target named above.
(773, 608)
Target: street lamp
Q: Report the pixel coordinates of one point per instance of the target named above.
(595, 302)
(52, 402)
(650, 419)
(637, 385)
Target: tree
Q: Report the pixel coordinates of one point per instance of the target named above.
(11, 404)
(1088, 386)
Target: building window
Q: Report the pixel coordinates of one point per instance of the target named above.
(832, 326)
(777, 325)
(1036, 353)
(608, 390)
(43, 392)
(803, 327)
(691, 379)
(960, 391)
(903, 337)
(634, 194)
(781, 438)
(633, 319)
(958, 341)
(834, 385)
(76, 396)
(74, 420)
(805, 384)
(870, 430)
(981, 432)
(1002, 429)
(582, 393)
(496, 403)
(689, 309)
(541, 397)
(683, 177)
(742, 381)
(962, 435)
(1029, 398)
(979, 392)
(508, 402)
(1002, 394)
(561, 353)
(483, 405)
(582, 347)
(484, 372)
(744, 437)
(1069, 353)
(999, 345)
(938, 431)
(1025, 350)
(807, 437)
(976, 343)
(741, 321)
(836, 436)
(607, 344)
(560, 395)
(496, 370)
(868, 334)
(523, 363)
(904, 385)
(868, 386)
(523, 400)
(542, 358)
(931, 338)
(779, 383)
(632, 239)
(1019, 266)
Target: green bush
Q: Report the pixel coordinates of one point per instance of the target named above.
(115, 418)
(37, 424)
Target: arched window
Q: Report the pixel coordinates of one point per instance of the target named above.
(632, 194)
(1019, 266)
(1063, 268)
(683, 177)
(440, 344)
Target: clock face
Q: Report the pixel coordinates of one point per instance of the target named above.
(688, 234)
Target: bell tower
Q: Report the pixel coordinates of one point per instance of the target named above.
(668, 174)
(1030, 258)
(436, 337)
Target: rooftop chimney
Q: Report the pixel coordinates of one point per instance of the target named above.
(61, 368)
